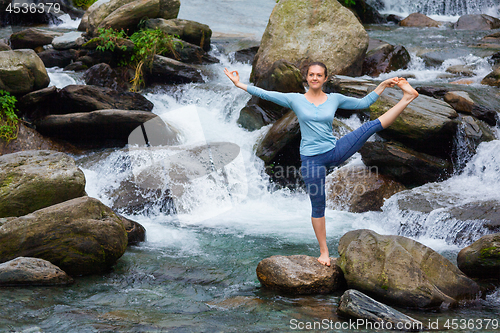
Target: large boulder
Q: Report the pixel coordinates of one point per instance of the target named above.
(101, 126)
(190, 31)
(30, 180)
(30, 139)
(384, 59)
(22, 71)
(282, 77)
(426, 124)
(32, 272)
(32, 38)
(355, 304)
(324, 31)
(482, 258)
(107, 13)
(58, 58)
(81, 236)
(359, 190)
(403, 164)
(477, 22)
(299, 274)
(103, 75)
(70, 40)
(189, 53)
(419, 20)
(401, 271)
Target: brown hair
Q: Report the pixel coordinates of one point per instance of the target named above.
(317, 63)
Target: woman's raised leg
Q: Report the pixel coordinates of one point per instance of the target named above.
(409, 95)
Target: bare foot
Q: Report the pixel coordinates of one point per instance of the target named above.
(324, 259)
(408, 90)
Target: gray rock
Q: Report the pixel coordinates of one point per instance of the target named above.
(136, 233)
(462, 102)
(31, 180)
(22, 71)
(482, 258)
(359, 190)
(398, 270)
(436, 58)
(81, 236)
(190, 31)
(384, 59)
(493, 78)
(32, 38)
(299, 274)
(33, 272)
(4, 46)
(460, 70)
(128, 16)
(477, 22)
(70, 40)
(56, 58)
(326, 32)
(355, 304)
(166, 70)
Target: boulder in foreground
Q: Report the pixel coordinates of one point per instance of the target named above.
(82, 236)
(33, 272)
(401, 271)
(482, 258)
(22, 71)
(299, 274)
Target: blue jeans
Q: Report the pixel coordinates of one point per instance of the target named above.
(314, 168)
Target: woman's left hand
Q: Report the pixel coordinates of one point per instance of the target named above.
(389, 83)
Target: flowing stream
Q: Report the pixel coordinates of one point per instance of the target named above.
(196, 271)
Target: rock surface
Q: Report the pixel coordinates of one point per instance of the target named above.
(384, 59)
(31, 180)
(403, 164)
(299, 274)
(31, 38)
(103, 75)
(355, 304)
(33, 272)
(493, 78)
(322, 31)
(477, 22)
(372, 264)
(359, 190)
(57, 58)
(81, 236)
(462, 102)
(69, 40)
(166, 70)
(482, 258)
(192, 32)
(22, 71)
(419, 20)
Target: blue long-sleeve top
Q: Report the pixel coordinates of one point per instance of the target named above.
(315, 121)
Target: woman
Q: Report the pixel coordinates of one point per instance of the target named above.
(319, 149)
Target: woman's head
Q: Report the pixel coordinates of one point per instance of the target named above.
(317, 74)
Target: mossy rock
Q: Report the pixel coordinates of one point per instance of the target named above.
(482, 258)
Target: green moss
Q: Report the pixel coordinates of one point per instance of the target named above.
(489, 252)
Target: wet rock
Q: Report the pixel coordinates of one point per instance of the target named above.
(432, 91)
(471, 133)
(29, 139)
(37, 103)
(426, 124)
(84, 98)
(76, 66)
(56, 58)
(299, 274)
(103, 75)
(477, 22)
(22, 71)
(31, 38)
(460, 70)
(190, 31)
(394, 18)
(136, 233)
(101, 126)
(493, 78)
(34, 179)
(101, 11)
(401, 271)
(314, 25)
(282, 77)
(166, 70)
(190, 53)
(69, 40)
(367, 13)
(246, 56)
(359, 190)
(403, 164)
(384, 59)
(436, 58)
(32, 272)
(355, 304)
(4, 46)
(461, 102)
(482, 258)
(419, 20)
(81, 236)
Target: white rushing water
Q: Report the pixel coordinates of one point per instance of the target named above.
(438, 9)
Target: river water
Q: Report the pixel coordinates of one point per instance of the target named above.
(196, 271)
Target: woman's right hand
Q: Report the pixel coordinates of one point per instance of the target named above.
(233, 76)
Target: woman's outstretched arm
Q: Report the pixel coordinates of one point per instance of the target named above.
(353, 103)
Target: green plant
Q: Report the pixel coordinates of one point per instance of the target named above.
(8, 117)
(85, 4)
(108, 38)
(348, 3)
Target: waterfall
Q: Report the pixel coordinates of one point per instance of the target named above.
(438, 7)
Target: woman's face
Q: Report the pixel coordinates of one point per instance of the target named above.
(316, 77)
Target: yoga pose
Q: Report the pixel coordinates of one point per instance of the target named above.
(319, 149)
